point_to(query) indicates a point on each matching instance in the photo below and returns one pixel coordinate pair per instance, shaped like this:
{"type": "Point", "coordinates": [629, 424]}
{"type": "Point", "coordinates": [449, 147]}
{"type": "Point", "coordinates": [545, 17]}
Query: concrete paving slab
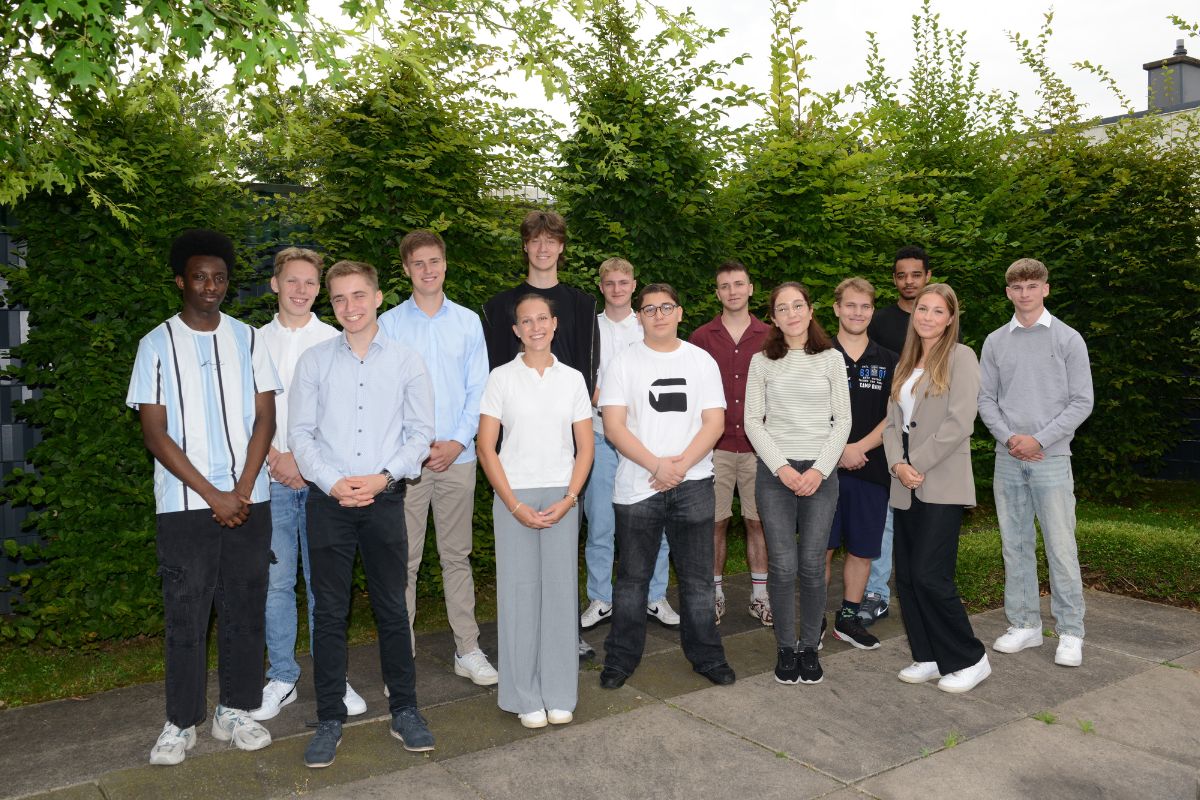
{"type": "Point", "coordinates": [1031, 759]}
{"type": "Point", "coordinates": [624, 756]}
{"type": "Point", "coordinates": [1159, 725]}
{"type": "Point", "coordinates": [1190, 661]}
{"type": "Point", "coordinates": [860, 720]}
{"type": "Point", "coordinates": [1137, 627]}
{"type": "Point", "coordinates": [428, 782]}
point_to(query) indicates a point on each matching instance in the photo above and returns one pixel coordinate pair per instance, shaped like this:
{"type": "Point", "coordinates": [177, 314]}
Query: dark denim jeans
{"type": "Point", "coordinates": [200, 562]}
{"type": "Point", "coordinates": [334, 535]}
{"type": "Point", "coordinates": [797, 534]}
{"type": "Point", "coordinates": [685, 514]}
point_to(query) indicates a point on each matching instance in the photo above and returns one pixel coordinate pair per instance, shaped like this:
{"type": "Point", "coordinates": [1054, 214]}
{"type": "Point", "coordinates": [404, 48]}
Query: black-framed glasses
{"type": "Point", "coordinates": [662, 308]}
{"type": "Point", "coordinates": [795, 308]}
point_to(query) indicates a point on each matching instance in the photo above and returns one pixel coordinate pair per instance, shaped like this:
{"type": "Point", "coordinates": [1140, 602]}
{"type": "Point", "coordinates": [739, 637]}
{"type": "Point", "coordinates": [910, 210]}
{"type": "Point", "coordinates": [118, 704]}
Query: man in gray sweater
{"type": "Point", "coordinates": [1036, 389]}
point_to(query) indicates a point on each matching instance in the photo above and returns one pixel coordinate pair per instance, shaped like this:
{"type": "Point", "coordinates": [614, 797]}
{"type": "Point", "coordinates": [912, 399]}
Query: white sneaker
{"type": "Point", "coordinates": [172, 745]}
{"type": "Point", "coordinates": [558, 716]}
{"type": "Point", "coordinates": [966, 679]}
{"type": "Point", "coordinates": [234, 725]}
{"type": "Point", "coordinates": [475, 665]}
{"type": "Point", "coordinates": [534, 719]}
{"type": "Point", "coordinates": [1069, 652]}
{"type": "Point", "coordinates": [355, 705]}
{"type": "Point", "coordinates": [919, 672]}
{"type": "Point", "coordinates": [276, 695]}
{"type": "Point", "coordinates": [597, 611]}
{"type": "Point", "coordinates": [662, 611]}
{"type": "Point", "coordinates": [1017, 639]}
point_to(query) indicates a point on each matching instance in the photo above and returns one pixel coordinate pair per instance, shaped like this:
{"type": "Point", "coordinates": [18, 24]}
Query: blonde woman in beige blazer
{"type": "Point", "coordinates": [927, 441]}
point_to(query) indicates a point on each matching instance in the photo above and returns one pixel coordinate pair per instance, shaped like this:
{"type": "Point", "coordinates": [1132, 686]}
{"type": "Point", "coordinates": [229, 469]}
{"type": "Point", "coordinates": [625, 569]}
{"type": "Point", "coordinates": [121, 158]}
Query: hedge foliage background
{"type": "Point", "coordinates": [821, 189]}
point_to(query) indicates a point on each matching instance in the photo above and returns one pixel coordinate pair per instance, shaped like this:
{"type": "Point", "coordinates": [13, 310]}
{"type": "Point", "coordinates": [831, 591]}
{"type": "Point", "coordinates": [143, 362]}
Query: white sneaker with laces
{"type": "Point", "coordinates": [474, 665]}
{"type": "Point", "coordinates": [276, 695]}
{"type": "Point", "coordinates": [597, 611]}
{"type": "Point", "coordinates": [355, 705]}
{"type": "Point", "coordinates": [533, 719]}
{"type": "Point", "coordinates": [172, 745]}
{"type": "Point", "coordinates": [1017, 639]}
{"type": "Point", "coordinates": [234, 725]}
{"type": "Point", "coordinates": [661, 610]}
{"type": "Point", "coordinates": [919, 672]}
{"type": "Point", "coordinates": [1070, 651]}
{"type": "Point", "coordinates": [966, 679]}
{"type": "Point", "coordinates": [558, 716]}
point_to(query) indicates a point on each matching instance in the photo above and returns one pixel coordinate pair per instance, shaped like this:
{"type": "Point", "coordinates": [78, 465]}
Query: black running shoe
{"type": "Point", "coordinates": [810, 666]}
{"type": "Point", "coordinates": [849, 629]}
{"type": "Point", "coordinates": [787, 667]}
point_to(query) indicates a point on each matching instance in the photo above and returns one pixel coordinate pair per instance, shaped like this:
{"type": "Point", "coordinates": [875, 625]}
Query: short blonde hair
{"type": "Point", "coordinates": [854, 285]}
{"type": "Point", "coordinates": [615, 265]}
{"type": "Point", "coordinates": [298, 254]}
{"type": "Point", "coordinates": [1026, 269]}
{"type": "Point", "coordinates": [344, 268]}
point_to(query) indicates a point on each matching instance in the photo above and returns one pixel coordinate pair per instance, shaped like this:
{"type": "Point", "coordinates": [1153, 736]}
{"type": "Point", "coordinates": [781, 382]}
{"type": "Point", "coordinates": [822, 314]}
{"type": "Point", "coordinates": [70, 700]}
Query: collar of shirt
{"type": "Point", "coordinates": [1043, 320]}
{"type": "Point", "coordinates": [410, 306]}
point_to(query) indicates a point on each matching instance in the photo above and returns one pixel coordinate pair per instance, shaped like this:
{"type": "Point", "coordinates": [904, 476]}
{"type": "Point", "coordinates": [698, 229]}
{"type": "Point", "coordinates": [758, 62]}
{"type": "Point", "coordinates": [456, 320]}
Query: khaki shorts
{"type": "Point", "coordinates": [735, 468]}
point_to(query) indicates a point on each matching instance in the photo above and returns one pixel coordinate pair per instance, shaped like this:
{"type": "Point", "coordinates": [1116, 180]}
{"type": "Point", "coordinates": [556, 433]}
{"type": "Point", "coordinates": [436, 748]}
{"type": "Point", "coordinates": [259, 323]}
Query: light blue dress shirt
{"type": "Point", "coordinates": [451, 344]}
{"type": "Point", "coordinates": [351, 416]}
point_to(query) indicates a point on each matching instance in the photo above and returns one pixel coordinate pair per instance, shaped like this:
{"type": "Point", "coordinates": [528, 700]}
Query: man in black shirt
{"type": "Point", "coordinates": [863, 475]}
{"type": "Point", "coordinates": [888, 328]}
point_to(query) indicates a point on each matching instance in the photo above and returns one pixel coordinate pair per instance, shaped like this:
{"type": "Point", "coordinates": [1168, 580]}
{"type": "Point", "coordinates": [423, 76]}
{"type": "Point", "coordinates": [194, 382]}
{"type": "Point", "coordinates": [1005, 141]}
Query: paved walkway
{"type": "Point", "coordinates": [1125, 725]}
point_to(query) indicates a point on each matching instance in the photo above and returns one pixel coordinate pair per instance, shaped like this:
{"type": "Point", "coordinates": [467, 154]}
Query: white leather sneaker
{"type": "Point", "coordinates": [1015, 639]}
{"type": "Point", "coordinates": [276, 695]}
{"type": "Point", "coordinates": [533, 719]}
{"type": "Point", "coordinates": [475, 665]}
{"type": "Point", "coordinates": [966, 679]}
{"type": "Point", "coordinates": [919, 672]}
{"type": "Point", "coordinates": [1069, 652]}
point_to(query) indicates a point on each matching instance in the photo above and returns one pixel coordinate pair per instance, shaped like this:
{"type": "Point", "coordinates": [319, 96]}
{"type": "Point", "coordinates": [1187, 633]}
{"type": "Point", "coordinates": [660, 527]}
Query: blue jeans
{"type": "Point", "coordinates": [602, 527]}
{"type": "Point", "coordinates": [1045, 490]}
{"type": "Point", "coordinates": [881, 568]}
{"type": "Point", "coordinates": [797, 534]}
{"type": "Point", "coordinates": [685, 513]}
{"type": "Point", "coordinates": [288, 540]}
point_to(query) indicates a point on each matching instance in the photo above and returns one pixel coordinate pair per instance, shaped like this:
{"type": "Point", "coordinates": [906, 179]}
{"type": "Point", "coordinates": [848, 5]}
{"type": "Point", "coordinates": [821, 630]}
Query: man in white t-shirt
{"type": "Point", "coordinates": [664, 409]}
{"type": "Point", "coordinates": [294, 329]}
{"type": "Point", "coordinates": [619, 328]}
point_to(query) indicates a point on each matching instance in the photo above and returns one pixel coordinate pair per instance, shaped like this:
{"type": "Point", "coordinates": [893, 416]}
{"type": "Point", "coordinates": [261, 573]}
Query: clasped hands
{"type": "Point", "coordinates": [356, 491]}
{"type": "Point", "coordinates": [802, 484]}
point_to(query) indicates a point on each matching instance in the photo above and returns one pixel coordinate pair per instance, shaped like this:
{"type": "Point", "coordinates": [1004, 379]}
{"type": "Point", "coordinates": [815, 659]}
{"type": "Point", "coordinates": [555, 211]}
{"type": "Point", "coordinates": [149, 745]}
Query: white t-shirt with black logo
{"type": "Point", "coordinates": [664, 395]}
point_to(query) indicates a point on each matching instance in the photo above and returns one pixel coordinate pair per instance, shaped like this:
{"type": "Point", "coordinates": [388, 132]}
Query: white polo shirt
{"type": "Point", "coordinates": [536, 413]}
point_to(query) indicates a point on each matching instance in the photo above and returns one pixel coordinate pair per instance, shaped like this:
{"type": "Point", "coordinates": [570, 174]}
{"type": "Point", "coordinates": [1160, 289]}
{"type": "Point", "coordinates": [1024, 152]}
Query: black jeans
{"type": "Point", "coordinates": [685, 514]}
{"type": "Point", "coordinates": [200, 562]}
{"type": "Point", "coordinates": [334, 535]}
{"type": "Point", "coordinates": [926, 550]}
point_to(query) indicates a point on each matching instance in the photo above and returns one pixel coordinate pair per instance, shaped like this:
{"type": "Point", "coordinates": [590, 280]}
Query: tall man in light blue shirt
{"type": "Point", "coordinates": [360, 423]}
{"type": "Point", "coordinates": [450, 340]}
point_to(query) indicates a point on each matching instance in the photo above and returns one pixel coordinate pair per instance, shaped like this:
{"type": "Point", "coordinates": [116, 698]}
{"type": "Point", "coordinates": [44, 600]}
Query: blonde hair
{"type": "Point", "coordinates": [615, 265]}
{"type": "Point", "coordinates": [860, 285]}
{"type": "Point", "coordinates": [298, 254]}
{"type": "Point", "coordinates": [937, 361]}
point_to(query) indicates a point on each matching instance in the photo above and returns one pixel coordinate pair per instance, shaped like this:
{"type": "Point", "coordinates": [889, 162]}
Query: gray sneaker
{"type": "Point", "coordinates": [323, 747]}
{"type": "Point", "coordinates": [586, 651]}
{"type": "Point", "coordinates": [873, 607]}
{"type": "Point", "coordinates": [410, 728]}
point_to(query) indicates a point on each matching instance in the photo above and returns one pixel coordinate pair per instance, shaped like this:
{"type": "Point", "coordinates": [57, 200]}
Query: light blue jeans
{"type": "Point", "coordinates": [288, 538]}
{"type": "Point", "coordinates": [1045, 490]}
{"type": "Point", "coordinates": [881, 568]}
{"type": "Point", "coordinates": [602, 530]}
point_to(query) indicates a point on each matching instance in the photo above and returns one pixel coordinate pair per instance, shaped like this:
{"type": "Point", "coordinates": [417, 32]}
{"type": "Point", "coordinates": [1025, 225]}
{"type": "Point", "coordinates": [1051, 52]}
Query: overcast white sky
{"type": "Point", "coordinates": [1118, 34]}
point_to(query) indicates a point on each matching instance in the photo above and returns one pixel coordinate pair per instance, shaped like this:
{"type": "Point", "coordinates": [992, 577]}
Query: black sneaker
{"type": "Point", "coordinates": [810, 666]}
{"type": "Point", "coordinates": [849, 629]}
{"type": "Point", "coordinates": [873, 607]}
{"type": "Point", "coordinates": [787, 666]}
{"type": "Point", "coordinates": [322, 748]}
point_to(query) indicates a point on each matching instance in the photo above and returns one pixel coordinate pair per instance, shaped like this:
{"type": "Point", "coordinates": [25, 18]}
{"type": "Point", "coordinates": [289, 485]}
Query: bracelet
{"type": "Point", "coordinates": [514, 508]}
{"type": "Point", "coordinates": [574, 498]}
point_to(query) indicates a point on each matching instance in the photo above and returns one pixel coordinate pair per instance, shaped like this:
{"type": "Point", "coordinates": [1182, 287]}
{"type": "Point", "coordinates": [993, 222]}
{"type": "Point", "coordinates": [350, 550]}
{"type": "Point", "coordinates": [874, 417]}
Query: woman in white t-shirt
{"type": "Point", "coordinates": [543, 408]}
{"type": "Point", "coordinates": [927, 440]}
{"type": "Point", "coordinates": [798, 419]}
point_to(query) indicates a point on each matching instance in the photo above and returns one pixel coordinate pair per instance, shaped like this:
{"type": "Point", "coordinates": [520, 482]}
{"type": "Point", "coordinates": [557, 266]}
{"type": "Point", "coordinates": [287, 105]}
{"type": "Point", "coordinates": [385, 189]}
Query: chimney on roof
{"type": "Point", "coordinates": [1173, 82]}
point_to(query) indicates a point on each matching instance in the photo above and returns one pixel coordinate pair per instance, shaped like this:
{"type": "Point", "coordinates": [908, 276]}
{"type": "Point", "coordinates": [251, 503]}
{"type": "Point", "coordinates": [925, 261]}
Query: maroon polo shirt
{"type": "Point", "coordinates": [734, 361]}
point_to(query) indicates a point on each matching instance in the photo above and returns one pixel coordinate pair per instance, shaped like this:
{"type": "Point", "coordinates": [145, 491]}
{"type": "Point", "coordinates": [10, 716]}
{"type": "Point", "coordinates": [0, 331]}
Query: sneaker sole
{"type": "Point", "coordinates": [1011, 650]}
{"type": "Point", "coordinates": [1065, 662]}
{"type": "Point", "coordinates": [917, 680]}
{"type": "Point", "coordinates": [786, 682]}
{"type": "Point", "coordinates": [535, 723]}
{"type": "Point", "coordinates": [964, 689]}
{"type": "Point", "coordinates": [668, 625]}
{"type": "Point", "coordinates": [810, 683]}
{"type": "Point", "coordinates": [563, 720]}
{"type": "Point", "coordinates": [463, 672]}
{"type": "Point", "coordinates": [850, 640]}
{"type": "Point", "coordinates": [172, 761]}
{"type": "Point", "coordinates": [411, 748]}
{"type": "Point", "coordinates": [323, 764]}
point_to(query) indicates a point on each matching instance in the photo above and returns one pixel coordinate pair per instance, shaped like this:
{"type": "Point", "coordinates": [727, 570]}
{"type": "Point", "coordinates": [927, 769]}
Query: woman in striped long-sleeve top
{"type": "Point", "coordinates": [798, 419]}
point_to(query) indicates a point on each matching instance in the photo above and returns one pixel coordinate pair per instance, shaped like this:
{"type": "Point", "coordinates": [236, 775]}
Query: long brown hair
{"type": "Point", "coordinates": [937, 362]}
{"type": "Point", "coordinates": [775, 347]}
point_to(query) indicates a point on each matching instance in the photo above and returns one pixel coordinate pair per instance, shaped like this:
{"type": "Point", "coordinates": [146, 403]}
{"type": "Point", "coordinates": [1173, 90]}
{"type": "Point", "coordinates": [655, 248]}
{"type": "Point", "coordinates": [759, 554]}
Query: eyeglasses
{"type": "Point", "coordinates": [662, 308]}
{"type": "Point", "coordinates": [795, 308]}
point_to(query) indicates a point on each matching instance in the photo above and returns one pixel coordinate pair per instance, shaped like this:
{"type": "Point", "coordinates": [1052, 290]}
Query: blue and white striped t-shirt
{"type": "Point", "coordinates": [207, 380]}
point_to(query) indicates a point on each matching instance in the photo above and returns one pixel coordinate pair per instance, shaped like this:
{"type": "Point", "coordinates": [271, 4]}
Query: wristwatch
{"type": "Point", "coordinates": [574, 498]}
{"type": "Point", "coordinates": [390, 486]}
